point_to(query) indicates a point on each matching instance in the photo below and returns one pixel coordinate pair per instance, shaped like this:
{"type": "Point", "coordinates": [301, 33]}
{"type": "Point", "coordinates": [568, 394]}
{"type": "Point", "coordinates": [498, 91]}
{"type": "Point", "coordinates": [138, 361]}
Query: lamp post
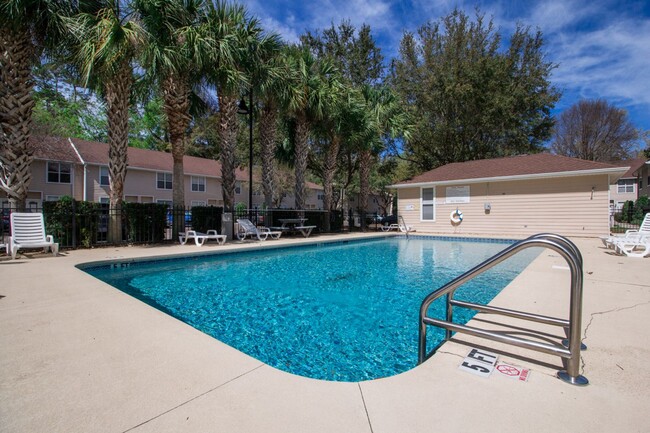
{"type": "Point", "coordinates": [243, 109]}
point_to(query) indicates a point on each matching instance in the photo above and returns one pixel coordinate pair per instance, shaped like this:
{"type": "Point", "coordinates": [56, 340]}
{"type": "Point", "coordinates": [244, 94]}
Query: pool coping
{"type": "Point", "coordinates": [80, 356]}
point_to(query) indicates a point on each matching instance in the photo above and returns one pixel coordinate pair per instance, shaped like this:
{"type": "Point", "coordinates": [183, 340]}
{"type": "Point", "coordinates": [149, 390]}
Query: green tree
{"type": "Point", "coordinates": [354, 53]}
{"type": "Point", "coordinates": [471, 100]}
{"type": "Point", "coordinates": [384, 119]}
{"type": "Point", "coordinates": [360, 63]}
{"type": "Point", "coordinates": [268, 70]}
{"type": "Point", "coordinates": [176, 54]}
{"type": "Point", "coordinates": [105, 40]}
{"type": "Point", "coordinates": [594, 130]}
{"type": "Point", "coordinates": [311, 82]}
{"type": "Point", "coordinates": [27, 27]}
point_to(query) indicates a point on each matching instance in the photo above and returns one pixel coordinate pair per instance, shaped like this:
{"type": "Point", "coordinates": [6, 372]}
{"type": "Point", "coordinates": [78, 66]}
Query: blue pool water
{"type": "Point", "coordinates": [344, 311]}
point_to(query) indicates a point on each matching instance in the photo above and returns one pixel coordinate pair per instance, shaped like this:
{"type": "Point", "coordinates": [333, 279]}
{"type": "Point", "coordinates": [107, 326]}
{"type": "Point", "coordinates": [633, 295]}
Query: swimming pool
{"type": "Point", "coordinates": [345, 311]}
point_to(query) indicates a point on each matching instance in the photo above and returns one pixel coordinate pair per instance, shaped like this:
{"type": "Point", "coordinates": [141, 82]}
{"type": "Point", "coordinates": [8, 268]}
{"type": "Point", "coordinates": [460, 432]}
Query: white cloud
{"type": "Point", "coordinates": [611, 62]}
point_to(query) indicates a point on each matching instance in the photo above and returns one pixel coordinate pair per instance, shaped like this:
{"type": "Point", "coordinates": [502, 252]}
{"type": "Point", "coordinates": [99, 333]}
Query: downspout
{"type": "Point", "coordinates": [85, 166]}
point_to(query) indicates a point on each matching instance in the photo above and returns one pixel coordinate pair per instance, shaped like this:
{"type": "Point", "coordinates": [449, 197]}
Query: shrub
{"type": "Point", "coordinates": [205, 218]}
{"type": "Point", "coordinates": [145, 221]}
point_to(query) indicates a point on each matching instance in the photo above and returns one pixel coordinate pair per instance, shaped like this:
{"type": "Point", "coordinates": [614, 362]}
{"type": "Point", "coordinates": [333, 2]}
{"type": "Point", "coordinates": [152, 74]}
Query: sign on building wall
{"type": "Point", "coordinates": [457, 194]}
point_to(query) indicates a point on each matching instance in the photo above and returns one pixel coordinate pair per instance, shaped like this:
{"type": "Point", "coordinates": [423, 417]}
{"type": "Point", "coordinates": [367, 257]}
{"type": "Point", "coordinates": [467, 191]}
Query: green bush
{"type": "Point", "coordinates": [145, 222]}
{"type": "Point", "coordinates": [627, 213]}
{"type": "Point", "coordinates": [71, 222]}
{"type": "Point", "coordinates": [206, 218]}
{"type": "Point", "coordinates": [637, 216]}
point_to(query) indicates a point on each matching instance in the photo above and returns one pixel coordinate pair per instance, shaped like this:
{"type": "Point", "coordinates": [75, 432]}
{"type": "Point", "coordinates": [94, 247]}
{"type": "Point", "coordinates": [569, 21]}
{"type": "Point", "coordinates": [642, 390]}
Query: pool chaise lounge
{"type": "Point", "coordinates": [28, 231]}
{"type": "Point", "coordinates": [200, 238]}
{"type": "Point", "coordinates": [247, 228]}
{"type": "Point", "coordinates": [634, 247]}
{"type": "Point", "coordinates": [630, 235]}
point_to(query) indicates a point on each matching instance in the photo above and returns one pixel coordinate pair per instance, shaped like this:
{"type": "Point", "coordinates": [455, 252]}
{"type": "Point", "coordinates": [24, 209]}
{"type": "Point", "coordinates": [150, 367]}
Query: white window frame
{"type": "Point", "coordinates": [52, 197]}
{"type": "Point", "coordinates": [625, 184]}
{"type": "Point", "coordinates": [165, 182]}
{"type": "Point", "coordinates": [58, 171]}
{"type": "Point", "coordinates": [104, 174]}
{"type": "Point", "coordinates": [198, 203]}
{"type": "Point", "coordinates": [198, 182]}
{"type": "Point", "coordinates": [424, 203]}
{"type": "Point", "coordinates": [104, 200]}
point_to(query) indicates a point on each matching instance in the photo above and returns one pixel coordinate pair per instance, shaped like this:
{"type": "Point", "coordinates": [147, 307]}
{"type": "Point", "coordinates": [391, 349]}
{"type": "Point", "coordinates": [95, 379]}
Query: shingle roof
{"type": "Point", "coordinates": [519, 166]}
{"type": "Point", "coordinates": [59, 149]}
{"type": "Point", "coordinates": [634, 164]}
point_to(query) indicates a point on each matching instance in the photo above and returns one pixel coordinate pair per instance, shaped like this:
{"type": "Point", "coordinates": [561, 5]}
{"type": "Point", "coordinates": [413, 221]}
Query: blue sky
{"type": "Point", "coordinates": [602, 47]}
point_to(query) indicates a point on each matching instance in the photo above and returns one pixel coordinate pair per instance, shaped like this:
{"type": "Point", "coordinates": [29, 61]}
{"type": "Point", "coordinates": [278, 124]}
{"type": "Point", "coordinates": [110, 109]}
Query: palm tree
{"type": "Point", "coordinates": [176, 54]}
{"type": "Point", "coordinates": [268, 70]}
{"type": "Point", "coordinates": [230, 29]}
{"type": "Point", "coordinates": [339, 127]}
{"type": "Point", "coordinates": [384, 118]}
{"type": "Point", "coordinates": [27, 27]}
{"type": "Point", "coordinates": [106, 38]}
{"type": "Point", "coordinates": [311, 82]}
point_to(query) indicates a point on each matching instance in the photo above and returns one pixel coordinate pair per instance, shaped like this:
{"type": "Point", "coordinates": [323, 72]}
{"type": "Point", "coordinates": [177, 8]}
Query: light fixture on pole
{"type": "Point", "coordinates": [243, 109]}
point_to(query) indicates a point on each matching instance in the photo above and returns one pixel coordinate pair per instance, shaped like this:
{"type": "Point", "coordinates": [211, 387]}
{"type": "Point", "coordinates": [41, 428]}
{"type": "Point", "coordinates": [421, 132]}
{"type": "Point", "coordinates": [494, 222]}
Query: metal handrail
{"type": "Point", "coordinates": [405, 226]}
{"type": "Point", "coordinates": [557, 243]}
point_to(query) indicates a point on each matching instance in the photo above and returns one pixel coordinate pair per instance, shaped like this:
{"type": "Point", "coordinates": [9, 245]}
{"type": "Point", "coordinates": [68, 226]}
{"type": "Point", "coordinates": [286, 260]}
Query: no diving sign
{"type": "Point", "coordinates": [483, 363]}
{"type": "Point", "coordinates": [513, 372]}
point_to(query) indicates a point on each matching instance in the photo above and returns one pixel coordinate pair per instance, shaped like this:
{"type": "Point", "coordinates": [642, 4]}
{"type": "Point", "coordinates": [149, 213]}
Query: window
{"type": "Point", "coordinates": [103, 176]}
{"type": "Point", "coordinates": [625, 185]}
{"type": "Point", "coordinates": [104, 200]}
{"type": "Point", "coordinates": [198, 203]}
{"type": "Point", "coordinates": [427, 204]}
{"type": "Point", "coordinates": [198, 183]}
{"type": "Point", "coordinates": [164, 180]}
{"type": "Point", "coordinates": [52, 198]}
{"type": "Point", "coordinates": [58, 172]}
{"type": "Point", "coordinates": [238, 188]}
{"type": "Point", "coordinates": [321, 196]}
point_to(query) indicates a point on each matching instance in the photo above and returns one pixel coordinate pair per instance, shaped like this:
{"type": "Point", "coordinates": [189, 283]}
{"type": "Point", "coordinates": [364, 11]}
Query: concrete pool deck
{"type": "Point", "coordinates": [77, 355]}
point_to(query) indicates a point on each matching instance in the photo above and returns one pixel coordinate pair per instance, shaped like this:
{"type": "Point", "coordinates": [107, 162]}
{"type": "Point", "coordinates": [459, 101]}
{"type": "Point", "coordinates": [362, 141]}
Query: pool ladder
{"type": "Point", "coordinates": [568, 350]}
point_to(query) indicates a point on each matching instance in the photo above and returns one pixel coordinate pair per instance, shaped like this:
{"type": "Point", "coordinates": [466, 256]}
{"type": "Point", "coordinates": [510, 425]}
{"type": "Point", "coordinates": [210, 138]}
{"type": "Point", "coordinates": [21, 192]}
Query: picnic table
{"type": "Point", "coordinates": [295, 224]}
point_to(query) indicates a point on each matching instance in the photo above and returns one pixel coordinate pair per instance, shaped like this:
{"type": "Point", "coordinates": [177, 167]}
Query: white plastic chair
{"type": "Point", "coordinates": [630, 235]}
{"type": "Point", "coordinates": [630, 247]}
{"type": "Point", "coordinates": [28, 231]}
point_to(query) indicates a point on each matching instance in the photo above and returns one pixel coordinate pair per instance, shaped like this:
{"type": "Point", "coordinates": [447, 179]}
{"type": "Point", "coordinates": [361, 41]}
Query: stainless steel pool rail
{"type": "Point", "coordinates": [570, 354]}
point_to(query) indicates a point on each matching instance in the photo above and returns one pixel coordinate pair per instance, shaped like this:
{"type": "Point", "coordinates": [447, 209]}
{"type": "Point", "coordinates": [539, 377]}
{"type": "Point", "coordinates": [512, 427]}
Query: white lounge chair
{"type": "Point", "coordinates": [390, 227]}
{"type": "Point", "coordinates": [630, 235]}
{"type": "Point", "coordinates": [200, 238]}
{"type": "Point", "coordinates": [28, 231]}
{"type": "Point", "coordinates": [406, 229]}
{"type": "Point", "coordinates": [247, 228]}
{"type": "Point", "coordinates": [630, 247]}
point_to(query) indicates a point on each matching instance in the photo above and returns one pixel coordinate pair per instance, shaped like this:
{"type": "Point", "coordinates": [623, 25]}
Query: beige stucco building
{"type": "Point", "coordinates": [79, 168]}
{"type": "Point", "coordinates": [515, 196]}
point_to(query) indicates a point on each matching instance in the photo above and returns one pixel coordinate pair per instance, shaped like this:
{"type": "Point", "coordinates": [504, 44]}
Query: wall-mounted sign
{"type": "Point", "coordinates": [457, 194]}
{"type": "Point", "coordinates": [409, 207]}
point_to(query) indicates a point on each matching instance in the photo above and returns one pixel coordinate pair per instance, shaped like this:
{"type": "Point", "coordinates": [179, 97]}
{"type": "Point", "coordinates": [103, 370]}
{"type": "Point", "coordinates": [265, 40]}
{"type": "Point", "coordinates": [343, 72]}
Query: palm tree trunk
{"type": "Point", "coordinates": [365, 161]}
{"type": "Point", "coordinates": [177, 105]}
{"type": "Point", "coordinates": [329, 170]}
{"type": "Point", "coordinates": [301, 154]}
{"type": "Point", "coordinates": [118, 92]}
{"type": "Point", "coordinates": [16, 104]}
{"type": "Point", "coordinates": [268, 132]}
{"type": "Point", "coordinates": [228, 135]}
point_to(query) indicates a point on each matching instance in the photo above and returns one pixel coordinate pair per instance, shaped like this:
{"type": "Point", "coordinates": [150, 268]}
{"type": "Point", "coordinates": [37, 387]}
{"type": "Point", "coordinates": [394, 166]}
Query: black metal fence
{"type": "Point", "coordinates": [78, 224]}
{"type": "Point", "coordinates": [628, 217]}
